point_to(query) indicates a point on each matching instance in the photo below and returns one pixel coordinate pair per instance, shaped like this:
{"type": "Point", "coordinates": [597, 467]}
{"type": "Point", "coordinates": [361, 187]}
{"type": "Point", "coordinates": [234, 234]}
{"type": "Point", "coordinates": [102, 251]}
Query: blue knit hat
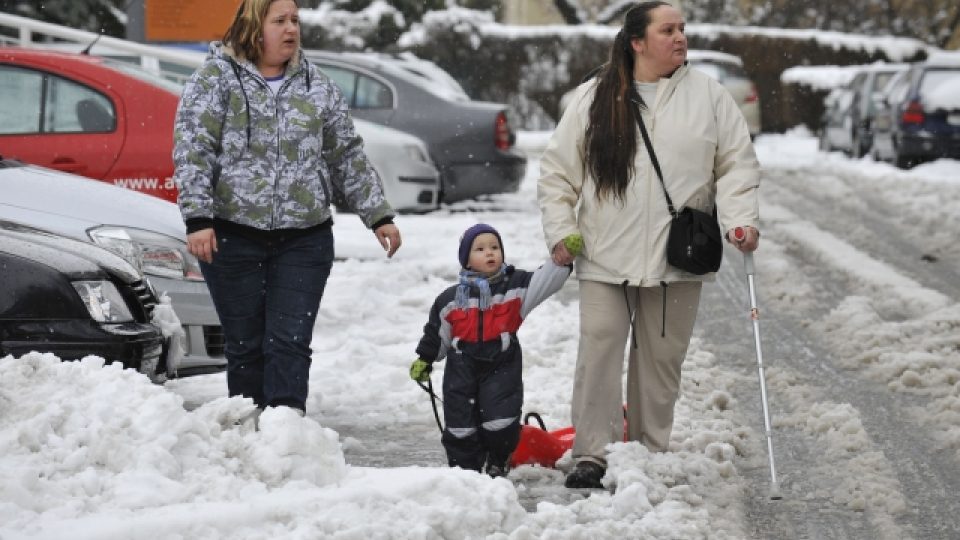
{"type": "Point", "coordinates": [466, 241]}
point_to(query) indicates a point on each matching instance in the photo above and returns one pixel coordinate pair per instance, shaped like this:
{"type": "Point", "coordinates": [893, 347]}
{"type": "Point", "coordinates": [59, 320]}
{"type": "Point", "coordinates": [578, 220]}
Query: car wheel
{"type": "Point", "coordinates": [903, 162]}
{"type": "Point", "coordinates": [858, 151]}
{"type": "Point", "coordinates": [824, 144]}
{"type": "Point", "coordinates": [899, 160]}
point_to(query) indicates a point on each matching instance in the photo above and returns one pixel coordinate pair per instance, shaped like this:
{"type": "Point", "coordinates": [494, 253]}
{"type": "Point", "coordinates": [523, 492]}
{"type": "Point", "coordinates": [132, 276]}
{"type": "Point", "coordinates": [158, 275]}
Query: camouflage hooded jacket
{"type": "Point", "coordinates": [265, 160]}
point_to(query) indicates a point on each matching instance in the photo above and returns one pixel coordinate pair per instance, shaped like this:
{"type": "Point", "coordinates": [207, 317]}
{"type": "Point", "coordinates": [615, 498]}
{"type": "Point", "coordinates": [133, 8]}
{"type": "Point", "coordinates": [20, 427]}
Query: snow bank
{"type": "Point", "coordinates": [82, 434]}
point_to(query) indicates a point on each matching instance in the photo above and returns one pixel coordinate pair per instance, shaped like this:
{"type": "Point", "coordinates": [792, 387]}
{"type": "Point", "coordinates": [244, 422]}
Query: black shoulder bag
{"type": "Point", "coordinates": [694, 243]}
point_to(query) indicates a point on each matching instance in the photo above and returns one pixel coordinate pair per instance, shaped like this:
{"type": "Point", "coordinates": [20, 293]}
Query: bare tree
{"type": "Point", "coordinates": [571, 11]}
{"type": "Point", "coordinates": [936, 22]}
{"type": "Point", "coordinates": [102, 16]}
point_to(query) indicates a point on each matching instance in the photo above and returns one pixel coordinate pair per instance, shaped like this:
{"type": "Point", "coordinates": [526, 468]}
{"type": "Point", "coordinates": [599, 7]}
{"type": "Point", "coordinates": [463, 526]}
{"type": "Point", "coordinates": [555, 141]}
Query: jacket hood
{"type": "Point", "coordinates": [222, 51]}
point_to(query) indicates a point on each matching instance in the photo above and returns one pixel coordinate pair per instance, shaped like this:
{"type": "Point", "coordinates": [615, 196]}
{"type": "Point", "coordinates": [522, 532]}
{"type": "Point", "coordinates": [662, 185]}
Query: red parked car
{"type": "Point", "coordinates": [90, 116]}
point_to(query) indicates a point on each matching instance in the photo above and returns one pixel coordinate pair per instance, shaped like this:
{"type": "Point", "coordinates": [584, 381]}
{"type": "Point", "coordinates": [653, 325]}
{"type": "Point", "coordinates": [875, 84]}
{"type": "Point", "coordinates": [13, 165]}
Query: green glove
{"type": "Point", "coordinates": [574, 244]}
{"type": "Point", "coordinates": [420, 370]}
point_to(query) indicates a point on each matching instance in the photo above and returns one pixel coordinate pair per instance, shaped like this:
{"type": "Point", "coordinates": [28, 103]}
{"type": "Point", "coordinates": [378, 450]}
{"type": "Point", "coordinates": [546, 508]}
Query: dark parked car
{"type": "Point", "coordinates": [147, 231]}
{"type": "Point", "coordinates": [919, 118]}
{"type": "Point", "coordinates": [471, 142]}
{"type": "Point", "coordinates": [834, 135]}
{"type": "Point", "coordinates": [74, 299]}
{"type": "Point", "coordinates": [847, 121]}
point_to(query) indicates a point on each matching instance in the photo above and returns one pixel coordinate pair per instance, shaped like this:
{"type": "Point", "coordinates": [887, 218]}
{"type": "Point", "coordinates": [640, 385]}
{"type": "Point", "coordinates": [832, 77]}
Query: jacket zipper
{"type": "Point", "coordinates": [323, 180]}
{"type": "Point", "coordinates": [276, 180]}
{"type": "Point", "coordinates": [651, 179]}
{"type": "Point", "coordinates": [479, 325]}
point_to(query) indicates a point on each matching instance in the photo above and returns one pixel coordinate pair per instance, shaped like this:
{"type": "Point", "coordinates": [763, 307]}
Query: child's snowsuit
{"type": "Point", "coordinates": [482, 382]}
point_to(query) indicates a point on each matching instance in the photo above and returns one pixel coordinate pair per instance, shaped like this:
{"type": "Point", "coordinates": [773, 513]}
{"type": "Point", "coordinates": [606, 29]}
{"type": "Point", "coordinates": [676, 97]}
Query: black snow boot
{"type": "Point", "coordinates": [586, 474]}
{"type": "Point", "coordinates": [496, 471]}
{"type": "Point", "coordinates": [496, 468]}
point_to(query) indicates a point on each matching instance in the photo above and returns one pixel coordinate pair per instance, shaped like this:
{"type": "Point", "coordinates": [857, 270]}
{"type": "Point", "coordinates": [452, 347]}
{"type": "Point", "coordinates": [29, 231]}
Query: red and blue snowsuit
{"type": "Point", "coordinates": [482, 382]}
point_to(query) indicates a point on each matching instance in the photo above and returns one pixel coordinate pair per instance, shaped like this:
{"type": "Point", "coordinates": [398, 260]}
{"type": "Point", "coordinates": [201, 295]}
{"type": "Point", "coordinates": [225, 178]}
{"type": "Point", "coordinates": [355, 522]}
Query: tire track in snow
{"type": "Point", "coordinates": [808, 261]}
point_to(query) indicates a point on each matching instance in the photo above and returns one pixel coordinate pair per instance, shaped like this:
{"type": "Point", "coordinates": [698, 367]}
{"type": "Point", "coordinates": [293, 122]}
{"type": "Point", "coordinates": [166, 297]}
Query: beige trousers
{"type": "Point", "coordinates": [653, 377]}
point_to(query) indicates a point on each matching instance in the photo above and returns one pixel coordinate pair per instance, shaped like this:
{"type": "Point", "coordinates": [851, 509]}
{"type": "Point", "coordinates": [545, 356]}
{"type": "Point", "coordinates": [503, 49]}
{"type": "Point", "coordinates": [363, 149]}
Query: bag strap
{"type": "Point", "coordinates": [653, 157]}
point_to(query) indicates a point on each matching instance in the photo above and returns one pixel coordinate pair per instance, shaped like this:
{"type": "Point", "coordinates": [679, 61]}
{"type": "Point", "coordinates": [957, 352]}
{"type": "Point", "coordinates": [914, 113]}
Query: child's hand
{"type": "Point", "coordinates": [574, 244]}
{"type": "Point", "coordinates": [567, 250]}
{"type": "Point", "coordinates": [420, 370]}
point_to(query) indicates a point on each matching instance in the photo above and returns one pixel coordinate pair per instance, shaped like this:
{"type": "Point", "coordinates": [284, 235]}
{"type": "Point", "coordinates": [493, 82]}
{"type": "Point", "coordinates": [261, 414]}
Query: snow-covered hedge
{"type": "Point", "coordinates": [530, 67]}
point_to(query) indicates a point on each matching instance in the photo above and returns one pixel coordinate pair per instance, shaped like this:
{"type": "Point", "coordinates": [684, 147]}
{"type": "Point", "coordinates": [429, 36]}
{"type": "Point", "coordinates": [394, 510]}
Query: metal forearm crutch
{"type": "Point", "coordinates": [755, 317]}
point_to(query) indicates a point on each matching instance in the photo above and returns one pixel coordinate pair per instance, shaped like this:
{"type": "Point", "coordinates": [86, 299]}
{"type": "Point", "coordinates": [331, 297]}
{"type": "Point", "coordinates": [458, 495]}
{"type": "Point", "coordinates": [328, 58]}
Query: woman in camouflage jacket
{"type": "Point", "coordinates": [263, 145]}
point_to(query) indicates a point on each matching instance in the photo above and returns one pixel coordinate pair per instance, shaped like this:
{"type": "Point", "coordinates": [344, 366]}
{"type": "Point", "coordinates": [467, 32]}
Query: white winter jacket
{"type": "Point", "coordinates": [704, 149]}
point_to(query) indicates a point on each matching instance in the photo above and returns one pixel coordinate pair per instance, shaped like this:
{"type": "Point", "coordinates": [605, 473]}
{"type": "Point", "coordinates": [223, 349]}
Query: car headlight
{"type": "Point", "coordinates": [153, 253]}
{"type": "Point", "coordinates": [416, 153]}
{"type": "Point", "coordinates": [103, 301]}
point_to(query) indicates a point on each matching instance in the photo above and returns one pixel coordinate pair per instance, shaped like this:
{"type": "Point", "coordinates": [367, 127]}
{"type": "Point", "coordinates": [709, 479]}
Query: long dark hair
{"type": "Point", "coordinates": [611, 137]}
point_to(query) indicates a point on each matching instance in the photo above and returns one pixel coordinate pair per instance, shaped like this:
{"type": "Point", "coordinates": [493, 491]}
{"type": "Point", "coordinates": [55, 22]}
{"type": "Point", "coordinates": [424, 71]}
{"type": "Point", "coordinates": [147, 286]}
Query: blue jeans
{"type": "Point", "coordinates": [267, 296]}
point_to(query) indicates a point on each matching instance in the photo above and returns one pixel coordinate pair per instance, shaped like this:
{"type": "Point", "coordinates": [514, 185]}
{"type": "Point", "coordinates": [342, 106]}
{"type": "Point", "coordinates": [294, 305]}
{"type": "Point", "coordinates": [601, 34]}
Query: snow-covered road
{"type": "Point", "coordinates": [859, 290]}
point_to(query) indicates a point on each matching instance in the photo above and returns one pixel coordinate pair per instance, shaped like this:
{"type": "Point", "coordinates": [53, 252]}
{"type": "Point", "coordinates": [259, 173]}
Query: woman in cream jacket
{"type": "Point", "coordinates": [597, 181]}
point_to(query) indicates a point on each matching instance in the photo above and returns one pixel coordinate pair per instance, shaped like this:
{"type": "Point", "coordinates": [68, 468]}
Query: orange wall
{"type": "Point", "coordinates": [188, 20]}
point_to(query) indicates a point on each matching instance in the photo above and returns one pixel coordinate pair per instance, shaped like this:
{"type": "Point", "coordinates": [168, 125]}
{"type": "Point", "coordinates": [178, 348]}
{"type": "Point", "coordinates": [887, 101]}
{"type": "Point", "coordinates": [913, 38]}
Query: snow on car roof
{"type": "Point", "coordinates": [703, 54]}
{"type": "Point", "coordinates": [410, 68]}
{"type": "Point", "coordinates": [830, 77]}
{"type": "Point", "coordinates": [944, 58]}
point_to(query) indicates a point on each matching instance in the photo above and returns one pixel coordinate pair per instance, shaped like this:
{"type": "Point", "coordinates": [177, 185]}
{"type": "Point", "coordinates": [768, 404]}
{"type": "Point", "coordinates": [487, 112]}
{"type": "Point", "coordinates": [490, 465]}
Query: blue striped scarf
{"type": "Point", "coordinates": [480, 281]}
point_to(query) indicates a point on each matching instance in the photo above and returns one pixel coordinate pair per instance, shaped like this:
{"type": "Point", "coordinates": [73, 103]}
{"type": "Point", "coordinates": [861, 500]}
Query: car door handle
{"type": "Point", "coordinates": [67, 164]}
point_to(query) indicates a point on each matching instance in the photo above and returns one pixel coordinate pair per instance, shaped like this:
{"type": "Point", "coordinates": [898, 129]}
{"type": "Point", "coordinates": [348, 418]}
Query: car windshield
{"type": "Point", "coordinates": [144, 75]}
{"type": "Point", "coordinates": [882, 79]}
{"type": "Point", "coordinates": [887, 90]}
{"type": "Point", "coordinates": [416, 72]}
{"type": "Point", "coordinates": [940, 89]}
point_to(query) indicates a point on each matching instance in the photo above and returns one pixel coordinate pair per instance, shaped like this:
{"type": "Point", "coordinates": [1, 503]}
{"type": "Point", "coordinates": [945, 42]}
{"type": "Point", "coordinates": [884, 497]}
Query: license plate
{"type": "Point", "coordinates": [953, 119]}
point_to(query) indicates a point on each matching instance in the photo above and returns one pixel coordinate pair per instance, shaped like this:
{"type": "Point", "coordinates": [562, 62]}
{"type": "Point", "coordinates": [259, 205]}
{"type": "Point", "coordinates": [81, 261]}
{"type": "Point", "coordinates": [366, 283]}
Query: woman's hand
{"type": "Point", "coordinates": [389, 237]}
{"type": "Point", "coordinates": [202, 244]}
{"type": "Point", "coordinates": [748, 240]}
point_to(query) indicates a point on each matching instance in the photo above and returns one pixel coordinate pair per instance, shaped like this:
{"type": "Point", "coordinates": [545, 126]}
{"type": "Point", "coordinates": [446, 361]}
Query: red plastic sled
{"type": "Point", "coordinates": [538, 446]}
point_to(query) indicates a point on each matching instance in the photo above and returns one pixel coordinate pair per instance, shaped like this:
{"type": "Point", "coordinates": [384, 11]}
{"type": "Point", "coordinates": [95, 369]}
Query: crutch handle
{"type": "Point", "coordinates": [739, 234]}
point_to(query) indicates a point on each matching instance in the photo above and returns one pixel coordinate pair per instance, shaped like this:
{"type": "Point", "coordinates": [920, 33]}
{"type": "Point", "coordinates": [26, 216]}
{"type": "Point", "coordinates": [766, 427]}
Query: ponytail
{"type": "Point", "coordinates": [611, 136]}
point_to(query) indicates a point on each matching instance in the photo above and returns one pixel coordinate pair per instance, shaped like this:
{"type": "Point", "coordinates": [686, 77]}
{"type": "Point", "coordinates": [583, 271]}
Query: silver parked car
{"type": "Point", "coordinates": [728, 69]}
{"type": "Point", "coordinates": [145, 230]}
{"type": "Point", "coordinates": [410, 181]}
{"type": "Point", "coordinates": [471, 142]}
{"type": "Point", "coordinates": [847, 122]}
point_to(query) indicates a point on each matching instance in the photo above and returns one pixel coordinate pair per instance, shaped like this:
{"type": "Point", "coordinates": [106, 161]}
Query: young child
{"type": "Point", "coordinates": [474, 325]}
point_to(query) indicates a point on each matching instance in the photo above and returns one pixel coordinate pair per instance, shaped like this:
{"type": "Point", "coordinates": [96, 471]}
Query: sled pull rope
{"type": "Point", "coordinates": [535, 416]}
{"type": "Point", "coordinates": [428, 388]}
